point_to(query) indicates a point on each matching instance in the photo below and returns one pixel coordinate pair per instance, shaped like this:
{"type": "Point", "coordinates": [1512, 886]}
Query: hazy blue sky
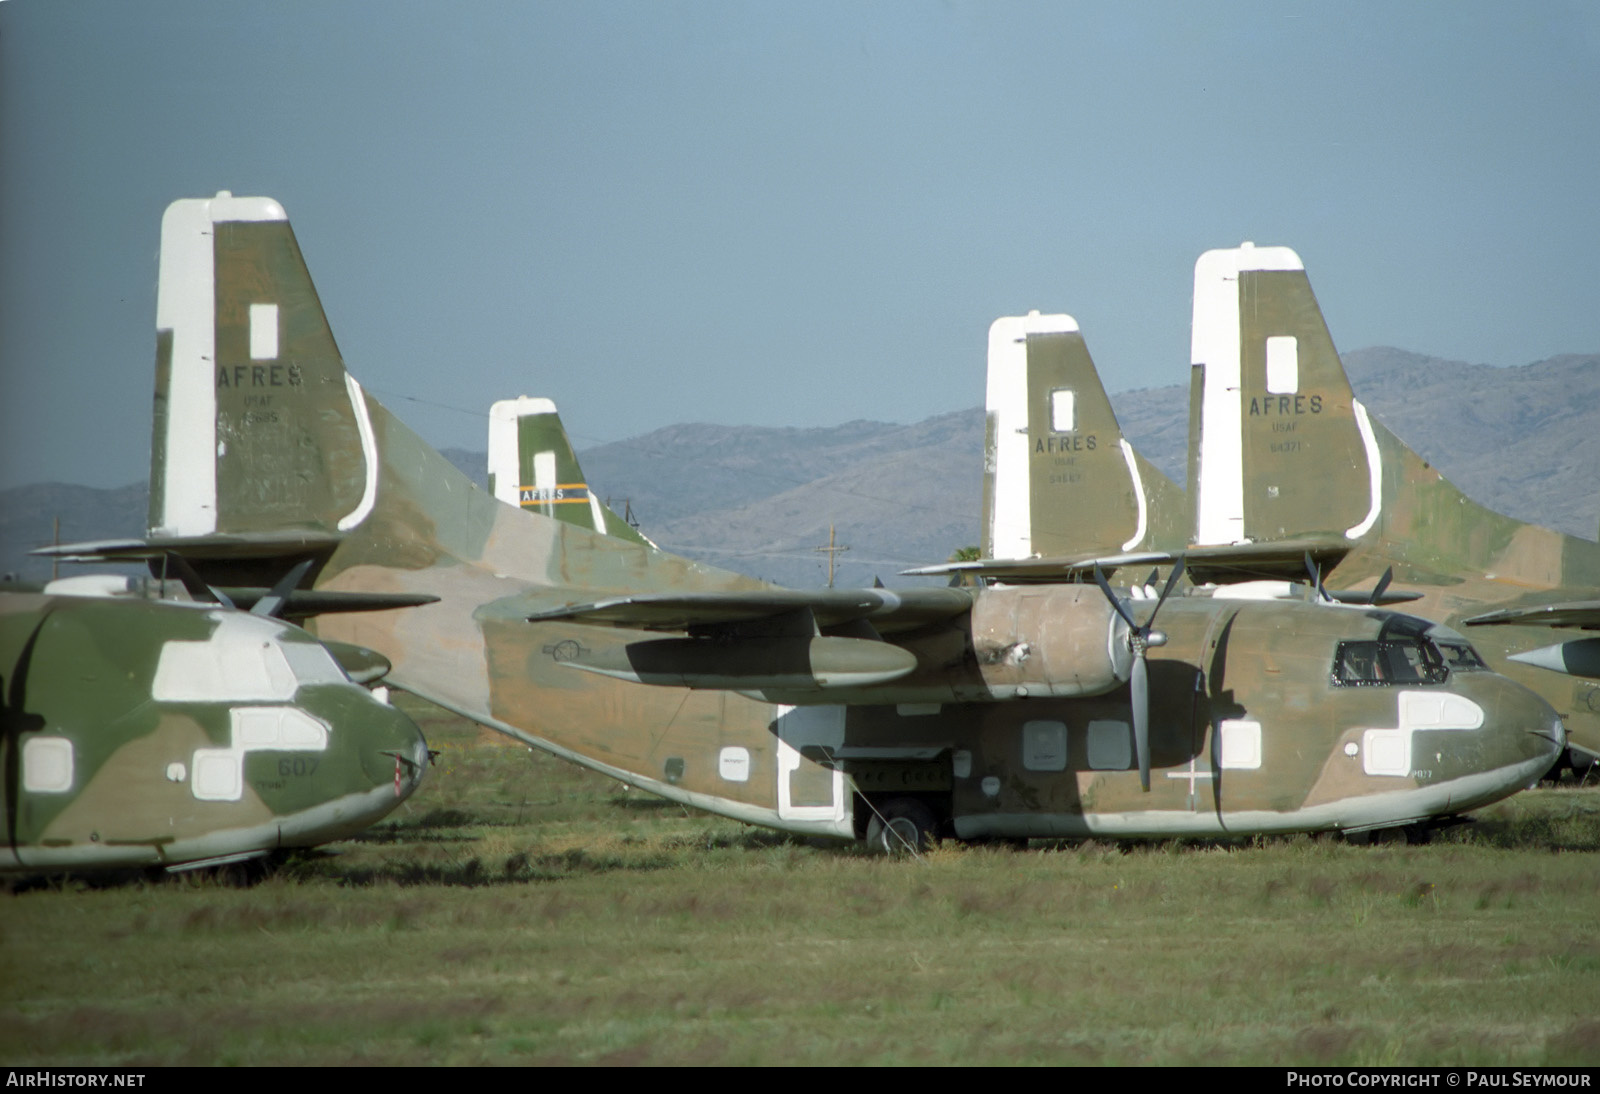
{"type": "Point", "coordinates": [784, 214]}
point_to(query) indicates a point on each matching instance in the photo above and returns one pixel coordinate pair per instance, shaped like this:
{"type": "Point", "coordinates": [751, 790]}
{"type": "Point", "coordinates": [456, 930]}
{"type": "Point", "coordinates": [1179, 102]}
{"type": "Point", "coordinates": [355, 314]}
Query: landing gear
{"type": "Point", "coordinates": [1581, 764]}
{"type": "Point", "coordinates": [1418, 834]}
{"type": "Point", "coordinates": [1414, 835]}
{"type": "Point", "coordinates": [901, 826]}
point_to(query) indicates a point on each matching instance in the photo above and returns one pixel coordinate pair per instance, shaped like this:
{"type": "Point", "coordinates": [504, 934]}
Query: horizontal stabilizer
{"type": "Point", "coordinates": [1068, 568]}
{"type": "Point", "coordinates": [253, 545]}
{"type": "Point", "coordinates": [887, 611]}
{"type": "Point", "coordinates": [1284, 558]}
{"type": "Point", "coordinates": [1583, 614]}
{"type": "Point", "coordinates": [1225, 564]}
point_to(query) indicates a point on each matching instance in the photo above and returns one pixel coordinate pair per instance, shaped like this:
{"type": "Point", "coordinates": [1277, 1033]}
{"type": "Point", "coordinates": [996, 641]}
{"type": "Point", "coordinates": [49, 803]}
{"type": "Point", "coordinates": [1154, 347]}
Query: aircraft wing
{"type": "Point", "coordinates": [885, 610]}
{"type": "Point", "coordinates": [1583, 614]}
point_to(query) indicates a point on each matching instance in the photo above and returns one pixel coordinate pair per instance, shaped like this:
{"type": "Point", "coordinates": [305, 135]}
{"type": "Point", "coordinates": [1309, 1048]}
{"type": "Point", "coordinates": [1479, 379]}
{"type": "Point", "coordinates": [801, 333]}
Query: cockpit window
{"type": "Point", "coordinates": [1460, 657]}
{"type": "Point", "coordinates": [1387, 663]}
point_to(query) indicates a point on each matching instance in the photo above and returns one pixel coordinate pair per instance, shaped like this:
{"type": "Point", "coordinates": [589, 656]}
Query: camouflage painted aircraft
{"type": "Point", "coordinates": [1003, 712]}
{"type": "Point", "coordinates": [153, 733]}
{"type": "Point", "coordinates": [1287, 455]}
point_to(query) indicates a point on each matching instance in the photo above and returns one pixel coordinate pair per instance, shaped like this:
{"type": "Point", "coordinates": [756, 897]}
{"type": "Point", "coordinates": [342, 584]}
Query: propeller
{"type": "Point", "coordinates": [271, 605]}
{"type": "Point", "coordinates": [1316, 579]}
{"type": "Point", "coordinates": [1351, 596]}
{"type": "Point", "coordinates": [1140, 639]}
{"type": "Point", "coordinates": [192, 581]}
{"type": "Point", "coordinates": [1383, 583]}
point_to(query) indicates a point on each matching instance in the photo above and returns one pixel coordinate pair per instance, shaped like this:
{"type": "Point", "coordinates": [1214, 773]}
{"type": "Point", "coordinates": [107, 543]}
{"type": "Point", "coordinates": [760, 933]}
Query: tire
{"type": "Point", "coordinates": [901, 826]}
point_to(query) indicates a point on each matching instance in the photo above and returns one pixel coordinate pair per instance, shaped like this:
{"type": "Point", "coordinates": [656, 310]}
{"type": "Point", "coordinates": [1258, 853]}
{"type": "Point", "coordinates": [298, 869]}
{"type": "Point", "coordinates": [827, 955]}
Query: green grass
{"type": "Point", "coordinates": [520, 910]}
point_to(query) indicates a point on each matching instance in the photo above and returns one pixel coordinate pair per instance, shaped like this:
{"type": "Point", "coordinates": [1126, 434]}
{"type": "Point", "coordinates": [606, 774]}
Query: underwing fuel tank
{"type": "Point", "coordinates": [752, 664]}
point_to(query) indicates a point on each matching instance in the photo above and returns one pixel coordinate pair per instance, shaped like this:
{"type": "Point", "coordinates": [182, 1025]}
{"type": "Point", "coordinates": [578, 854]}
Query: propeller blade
{"type": "Point", "coordinates": [1383, 583]}
{"type": "Point", "coordinates": [1139, 688]}
{"type": "Point", "coordinates": [1316, 577]}
{"type": "Point", "coordinates": [1166, 591]}
{"type": "Point", "coordinates": [195, 584]}
{"type": "Point", "coordinates": [1105, 587]}
{"type": "Point", "coordinates": [270, 605]}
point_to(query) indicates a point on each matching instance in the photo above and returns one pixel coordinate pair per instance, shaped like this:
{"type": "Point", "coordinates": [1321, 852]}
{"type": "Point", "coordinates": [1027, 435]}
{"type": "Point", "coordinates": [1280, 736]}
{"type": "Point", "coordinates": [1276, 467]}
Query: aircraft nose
{"type": "Point", "coordinates": [1534, 732]}
{"type": "Point", "coordinates": [1547, 743]}
{"type": "Point", "coordinates": [395, 752]}
{"type": "Point", "coordinates": [410, 769]}
{"type": "Point", "coordinates": [1517, 737]}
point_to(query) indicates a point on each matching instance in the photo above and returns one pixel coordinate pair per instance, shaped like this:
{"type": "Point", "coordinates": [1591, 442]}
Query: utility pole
{"type": "Point", "coordinates": [627, 512]}
{"type": "Point", "coordinates": [831, 550]}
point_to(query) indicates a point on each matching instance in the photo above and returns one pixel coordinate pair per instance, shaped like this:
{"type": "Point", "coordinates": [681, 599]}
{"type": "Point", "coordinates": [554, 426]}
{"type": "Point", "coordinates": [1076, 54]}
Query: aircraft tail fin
{"type": "Point", "coordinates": [1059, 477]}
{"type": "Point", "coordinates": [1283, 448]}
{"type": "Point", "coordinates": [266, 452]}
{"type": "Point", "coordinates": [532, 466]}
{"type": "Point", "coordinates": [1285, 451]}
{"type": "Point", "coordinates": [257, 426]}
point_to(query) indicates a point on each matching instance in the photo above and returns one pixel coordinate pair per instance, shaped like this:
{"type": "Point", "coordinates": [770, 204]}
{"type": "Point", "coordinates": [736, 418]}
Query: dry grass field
{"type": "Point", "coordinates": [520, 910]}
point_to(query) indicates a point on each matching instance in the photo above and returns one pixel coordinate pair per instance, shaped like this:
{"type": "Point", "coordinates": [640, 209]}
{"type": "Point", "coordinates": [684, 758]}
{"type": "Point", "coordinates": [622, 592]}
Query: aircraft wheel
{"type": "Point", "coordinates": [901, 826]}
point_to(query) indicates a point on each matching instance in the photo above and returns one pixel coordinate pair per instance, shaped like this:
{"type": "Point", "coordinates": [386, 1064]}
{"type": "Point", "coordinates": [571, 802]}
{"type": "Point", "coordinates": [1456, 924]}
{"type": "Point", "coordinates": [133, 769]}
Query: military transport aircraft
{"type": "Point", "coordinates": [1287, 455]}
{"type": "Point", "coordinates": [155, 733]}
{"type": "Point", "coordinates": [1006, 712]}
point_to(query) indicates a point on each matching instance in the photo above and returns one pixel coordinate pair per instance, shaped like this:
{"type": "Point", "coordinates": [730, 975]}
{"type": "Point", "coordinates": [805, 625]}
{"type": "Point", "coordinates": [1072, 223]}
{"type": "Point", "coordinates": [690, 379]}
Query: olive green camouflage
{"type": "Point", "coordinates": [153, 733]}
{"type": "Point", "coordinates": [894, 714]}
{"type": "Point", "coordinates": [1286, 452]}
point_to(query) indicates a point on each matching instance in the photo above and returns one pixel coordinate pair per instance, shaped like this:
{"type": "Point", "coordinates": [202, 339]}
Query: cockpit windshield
{"type": "Point", "coordinates": [1459, 656]}
{"type": "Point", "coordinates": [1388, 662]}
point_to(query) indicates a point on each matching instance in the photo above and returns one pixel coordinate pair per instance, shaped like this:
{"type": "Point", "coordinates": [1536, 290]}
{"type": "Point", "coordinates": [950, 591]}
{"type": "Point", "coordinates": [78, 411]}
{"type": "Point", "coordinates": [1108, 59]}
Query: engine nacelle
{"type": "Point", "coordinates": [1049, 640]}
